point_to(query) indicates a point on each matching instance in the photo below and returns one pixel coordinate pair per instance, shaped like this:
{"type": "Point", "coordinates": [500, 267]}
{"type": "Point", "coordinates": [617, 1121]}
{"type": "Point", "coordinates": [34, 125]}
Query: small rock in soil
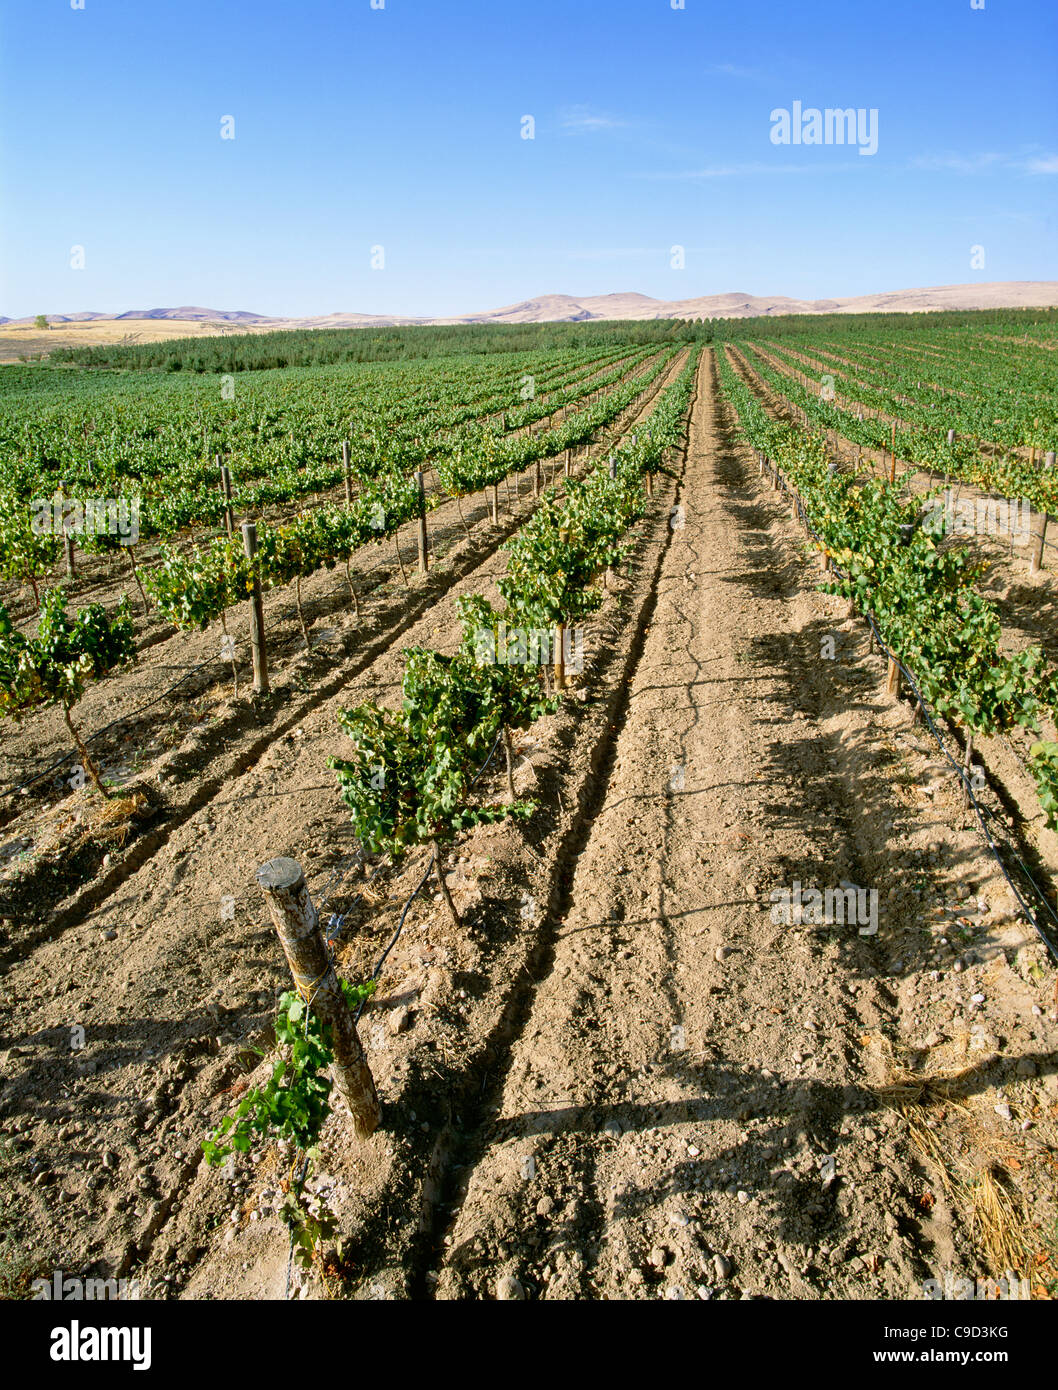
{"type": "Point", "coordinates": [509, 1289]}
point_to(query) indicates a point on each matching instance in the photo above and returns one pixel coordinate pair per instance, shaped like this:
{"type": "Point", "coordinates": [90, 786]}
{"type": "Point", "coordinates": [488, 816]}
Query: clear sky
{"type": "Point", "coordinates": [401, 127]}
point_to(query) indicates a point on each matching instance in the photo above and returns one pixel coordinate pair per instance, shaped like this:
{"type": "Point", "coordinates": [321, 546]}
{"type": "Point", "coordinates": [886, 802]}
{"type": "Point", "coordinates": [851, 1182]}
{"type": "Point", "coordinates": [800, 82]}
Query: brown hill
{"type": "Point", "coordinates": [18, 336]}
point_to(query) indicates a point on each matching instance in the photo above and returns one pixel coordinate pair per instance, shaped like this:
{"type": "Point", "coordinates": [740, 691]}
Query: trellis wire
{"type": "Point", "coordinates": [980, 811]}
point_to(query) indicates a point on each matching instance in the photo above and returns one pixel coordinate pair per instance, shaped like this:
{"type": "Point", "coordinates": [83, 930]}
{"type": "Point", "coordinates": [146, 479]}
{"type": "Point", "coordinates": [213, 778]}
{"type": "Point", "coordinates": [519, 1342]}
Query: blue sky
{"type": "Point", "coordinates": [401, 127]}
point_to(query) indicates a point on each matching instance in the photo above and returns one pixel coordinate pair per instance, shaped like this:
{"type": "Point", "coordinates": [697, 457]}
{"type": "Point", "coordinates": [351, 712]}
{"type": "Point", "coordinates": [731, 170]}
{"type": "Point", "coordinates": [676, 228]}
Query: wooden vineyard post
{"type": "Point", "coordinates": [567, 463]}
{"type": "Point", "coordinates": [424, 555]}
{"type": "Point", "coordinates": [649, 479]}
{"type": "Point", "coordinates": [67, 547]}
{"type": "Point", "coordinates": [494, 504]}
{"type": "Point", "coordinates": [345, 473]}
{"type": "Point", "coordinates": [1039, 534]}
{"type": "Point", "coordinates": [892, 684]}
{"type": "Point", "coordinates": [967, 767]}
{"type": "Point", "coordinates": [560, 656]}
{"type": "Point", "coordinates": [538, 481]}
{"type": "Point", "coordinates": [298, 926]}
{"type": "Point", "coordinates": [257, 628]}
{"type": "Point", "coordinates": [612, 465]}
{"type": "Point", "coordinates": [892, 464]}
{"type": "Point", "coordinates": [951, 436]}
{"type": "Point", "coordinates": [1048, 459]}
{"type": "Point", "coordinates": [225, 487]}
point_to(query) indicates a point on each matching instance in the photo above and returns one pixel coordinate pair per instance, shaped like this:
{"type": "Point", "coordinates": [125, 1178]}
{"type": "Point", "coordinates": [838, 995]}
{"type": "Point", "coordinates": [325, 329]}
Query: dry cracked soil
{"type": "Point", "coordinates": [631, 1074]}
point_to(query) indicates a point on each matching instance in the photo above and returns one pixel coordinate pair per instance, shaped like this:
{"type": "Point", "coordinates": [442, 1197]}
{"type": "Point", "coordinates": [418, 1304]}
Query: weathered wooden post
{"type": "Point", "coordinates": [345, 473]}
{"type": "Point", "coordinates": [424, 555]}
{"type": "Point", "coordinates": [257, 627]}
{"type": "Point", "coordinates": [951, 436]}
{"type": "Point", "coordinates": [892, 684]}
{"type": "Point", "coordinates": [1048, 459]}
{"type": "Point", "coordinates": [298, 926]}
{"type": "Point", "coordinates": [538, 481]}
{"type": "Point", "coordinates": [225, 487]}
{"type": "Point", "coordinates": [1039, 533]}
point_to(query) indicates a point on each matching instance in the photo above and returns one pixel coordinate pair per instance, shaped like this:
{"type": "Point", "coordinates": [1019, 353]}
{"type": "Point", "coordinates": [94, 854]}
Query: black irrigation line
{"type": "Point", "coordinates": [337, 921]}
{"type": "Point", "coordinates": [933, 473]}
{"type": "Point", "coordinates": [270, 629]}
{"type": "Point", "coordinates": [14, 789]}
{"type": "Point", "coordinates": [983, 814]}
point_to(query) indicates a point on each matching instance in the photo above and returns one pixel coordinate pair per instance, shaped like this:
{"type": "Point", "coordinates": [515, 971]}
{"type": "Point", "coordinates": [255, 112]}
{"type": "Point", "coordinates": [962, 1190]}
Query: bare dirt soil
{"type": "Point", "coordinates": [623, 1077]}
{"type": "Point", "coordinates": [170, 731]}
{"type": "Point", "coordinates": [1025, 603]}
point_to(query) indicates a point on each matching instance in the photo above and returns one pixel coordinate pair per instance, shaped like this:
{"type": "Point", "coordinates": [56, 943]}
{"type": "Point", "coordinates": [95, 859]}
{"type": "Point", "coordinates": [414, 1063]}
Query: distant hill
{"type": "Point", "coordinates": [549, 308]}
{"type": "Point", "coordinates": [195, 315]}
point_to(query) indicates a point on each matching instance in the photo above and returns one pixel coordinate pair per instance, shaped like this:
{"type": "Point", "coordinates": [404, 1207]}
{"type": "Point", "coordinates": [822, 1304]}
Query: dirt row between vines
{"type": "Point", "coordinates": [64, 855]}
{"type": "Point", "coordinates": [623, 1078]}
{"type": "Point", "coordinates": [1027, 602]}
{"type": "Point", "coordinates": [697, 1102]}
{"type": "Point", "coordinates": [172, 975]}
{"type": "Point", "coordinates": [104, 579]}
{"type": "Point", "coordinates": [166, 654]}
{"type": "Point", "coordinates": [1029, 598]}
{"type": "Point", "coordinates": [848, 371]}
{"type": "Point", "coordinates": [1028, 612]}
